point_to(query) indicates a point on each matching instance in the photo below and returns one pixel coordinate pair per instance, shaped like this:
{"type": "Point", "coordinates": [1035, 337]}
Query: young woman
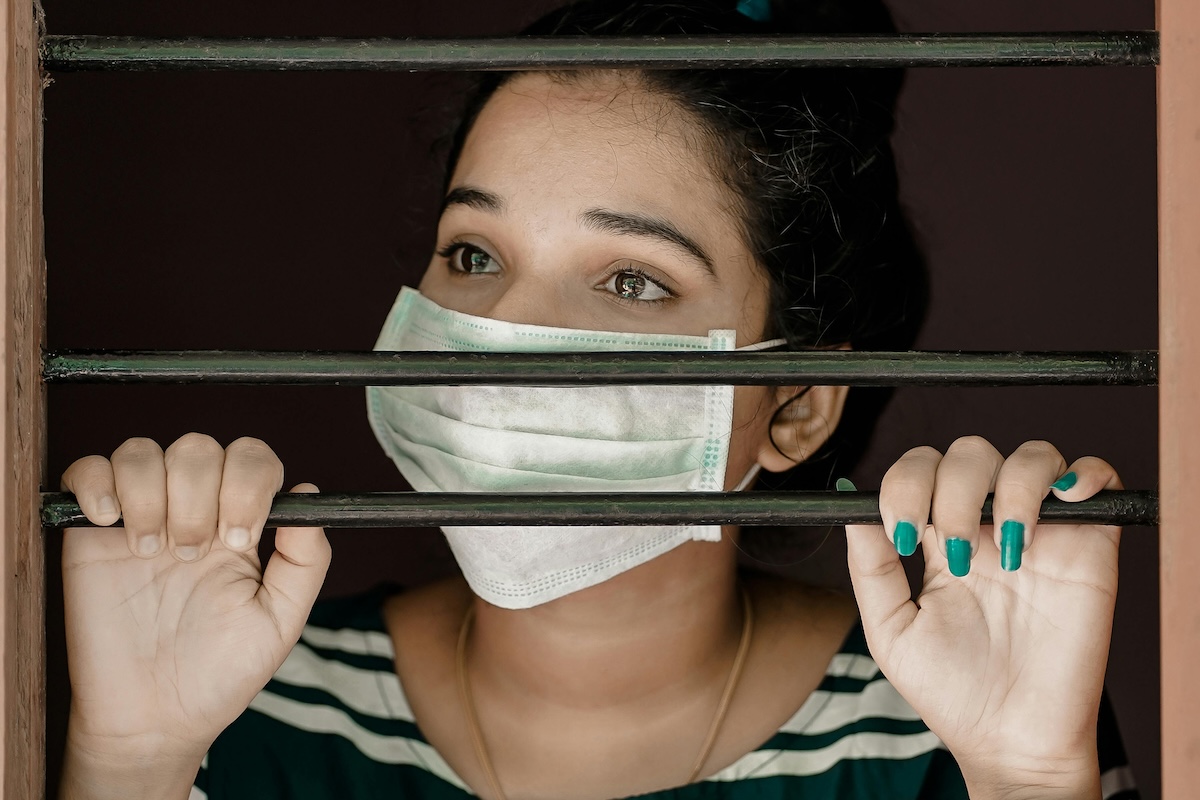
{"type": "Point", "coordinates": [614, 210]}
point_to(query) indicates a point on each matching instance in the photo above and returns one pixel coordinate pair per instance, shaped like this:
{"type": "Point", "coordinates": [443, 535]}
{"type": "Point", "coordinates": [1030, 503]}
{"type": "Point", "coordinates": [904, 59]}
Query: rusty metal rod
{"type": "Point", "coordinates": [825, 367]}
{"type": "Point", "coordinates": [429, 509]}
{"type": "Point", "coordinates": [1092, 48]}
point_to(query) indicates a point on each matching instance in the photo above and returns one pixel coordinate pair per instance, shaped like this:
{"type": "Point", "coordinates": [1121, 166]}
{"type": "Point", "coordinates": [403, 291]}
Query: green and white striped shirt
{"type": "Point", "coordinates": [334, 723]}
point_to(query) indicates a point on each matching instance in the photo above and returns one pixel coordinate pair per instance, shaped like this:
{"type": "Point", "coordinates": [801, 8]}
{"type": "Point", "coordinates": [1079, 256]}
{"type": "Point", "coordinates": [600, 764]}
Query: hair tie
{"type": "Point", "coordinates": [757, 10]}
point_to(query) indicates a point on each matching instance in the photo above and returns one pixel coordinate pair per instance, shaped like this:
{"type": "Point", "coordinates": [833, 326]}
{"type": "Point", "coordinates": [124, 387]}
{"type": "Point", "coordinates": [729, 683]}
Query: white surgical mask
{"type": "Point", "coordinates": [560, 439]}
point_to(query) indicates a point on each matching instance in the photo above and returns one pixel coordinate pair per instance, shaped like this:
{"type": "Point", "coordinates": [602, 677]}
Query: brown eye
{"type": "Point", "coordinates": [629, 284]}
{"type": "Point", "coordinates": [471, 260]}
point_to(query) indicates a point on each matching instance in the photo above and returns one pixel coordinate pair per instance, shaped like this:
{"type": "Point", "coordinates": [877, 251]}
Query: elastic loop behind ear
{"type": "Point", "coordinates": [775, 417]}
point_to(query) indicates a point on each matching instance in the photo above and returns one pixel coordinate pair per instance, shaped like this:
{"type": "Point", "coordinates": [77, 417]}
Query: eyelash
{"type": "Point", "coordinates": [456, 246]}
{"type": "Point", "coordinates": [634, 302]}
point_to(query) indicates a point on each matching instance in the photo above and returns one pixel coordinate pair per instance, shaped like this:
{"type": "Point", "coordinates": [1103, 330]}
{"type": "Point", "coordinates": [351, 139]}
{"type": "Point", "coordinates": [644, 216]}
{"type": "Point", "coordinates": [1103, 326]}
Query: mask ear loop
{"type": "Point", "coordinates": [775, 418]}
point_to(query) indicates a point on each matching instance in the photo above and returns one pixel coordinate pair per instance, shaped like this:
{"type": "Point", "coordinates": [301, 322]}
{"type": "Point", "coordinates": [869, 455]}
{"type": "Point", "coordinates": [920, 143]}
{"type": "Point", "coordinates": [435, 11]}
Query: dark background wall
{"type": "Point", "coordinates": [286, 210]}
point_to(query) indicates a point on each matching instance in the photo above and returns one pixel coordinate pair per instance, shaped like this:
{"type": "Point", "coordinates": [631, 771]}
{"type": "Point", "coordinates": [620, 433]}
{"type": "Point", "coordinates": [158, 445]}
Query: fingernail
{"type": "Point", "coordinates": [148, 545]}
{"type": "Point", "coordinates": [844, 485]}
{"type": "Point", "coordinates": [1012, 544]}
{"type": "Point", "coordinates": [1065, 482]}
{"type": "Point", "coordinates": [958, 554]}
{"type": "Point", "coordinates": [237, 538]}
{"type": "Point", "coordinates": [905, 538]}
{"type": "Point", "coordinates": [106, 505]}
{"type": "Point", "coordinates": [187, 553]}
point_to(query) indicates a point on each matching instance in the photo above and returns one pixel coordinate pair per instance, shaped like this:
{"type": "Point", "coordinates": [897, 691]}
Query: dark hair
{"type": "Point", "coordinates": [807, 150]}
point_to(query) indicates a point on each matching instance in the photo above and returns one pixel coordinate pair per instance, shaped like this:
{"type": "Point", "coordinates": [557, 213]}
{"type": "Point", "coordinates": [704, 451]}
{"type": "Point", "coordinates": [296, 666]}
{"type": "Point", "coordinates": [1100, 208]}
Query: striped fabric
{"type": "Point", "coordinates": [334, 723]}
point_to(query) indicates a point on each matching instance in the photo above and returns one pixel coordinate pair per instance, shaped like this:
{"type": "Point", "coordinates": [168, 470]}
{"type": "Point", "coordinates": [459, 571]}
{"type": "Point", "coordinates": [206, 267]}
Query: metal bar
{"type": "Point", "coordinates": [1104, 48]}
{"type": "Point", "coordinates": [827, 367]}
{"type": "Point", "coordinates": [426, 509]}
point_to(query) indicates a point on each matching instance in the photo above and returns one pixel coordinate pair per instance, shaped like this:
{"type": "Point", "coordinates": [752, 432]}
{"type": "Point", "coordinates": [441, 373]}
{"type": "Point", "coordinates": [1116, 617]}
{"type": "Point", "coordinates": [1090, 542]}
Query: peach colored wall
{"type": "Point", "coordinates": [20, 598]}
{"type": "Point", "coordinates": [1179, 399]}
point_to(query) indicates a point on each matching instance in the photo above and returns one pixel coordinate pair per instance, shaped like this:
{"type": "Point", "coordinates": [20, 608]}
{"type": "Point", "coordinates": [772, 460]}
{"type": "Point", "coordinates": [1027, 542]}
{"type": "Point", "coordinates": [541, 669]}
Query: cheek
{"type": "Point", "coordinates": [427, 284]}
{"type": "Point", "coordinates": [752, 411]}
{"type": "Point", "coordinates": [435, 284]}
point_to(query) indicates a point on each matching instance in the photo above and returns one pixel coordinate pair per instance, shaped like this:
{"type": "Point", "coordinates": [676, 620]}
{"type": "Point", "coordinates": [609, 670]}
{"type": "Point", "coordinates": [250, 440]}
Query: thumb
{"type": "Point", "coordinates": [294, 574]}
{"type": "Point", "coordinates": [880, 583]}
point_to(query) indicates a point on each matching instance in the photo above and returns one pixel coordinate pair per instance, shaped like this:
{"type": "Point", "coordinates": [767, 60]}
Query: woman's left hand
{"type": "Point", "coordinates": [1005, 663]}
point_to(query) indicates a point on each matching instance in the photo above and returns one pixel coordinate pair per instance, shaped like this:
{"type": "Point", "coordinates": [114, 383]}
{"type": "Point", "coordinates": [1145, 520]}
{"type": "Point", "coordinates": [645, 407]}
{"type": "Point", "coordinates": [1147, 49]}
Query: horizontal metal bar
{"type": "Point", "coordinates": [828, 367]}
{"type": "Point", "coordinates": [1104, 48]}
{"type": "Point", "coordinates": [429, 510]}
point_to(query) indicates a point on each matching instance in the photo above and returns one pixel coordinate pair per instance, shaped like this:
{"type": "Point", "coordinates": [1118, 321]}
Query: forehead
{"type": "Point", "coordinates": [592, 137]}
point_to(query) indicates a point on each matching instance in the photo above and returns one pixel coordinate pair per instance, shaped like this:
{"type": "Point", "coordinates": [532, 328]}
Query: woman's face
{"type": "Point", "coordinates": [593, 204]}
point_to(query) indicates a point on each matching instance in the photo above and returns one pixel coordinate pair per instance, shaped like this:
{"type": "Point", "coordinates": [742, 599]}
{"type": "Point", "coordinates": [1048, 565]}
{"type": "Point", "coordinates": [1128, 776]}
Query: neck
{"type": "Point", "coordinates": [649, 634]}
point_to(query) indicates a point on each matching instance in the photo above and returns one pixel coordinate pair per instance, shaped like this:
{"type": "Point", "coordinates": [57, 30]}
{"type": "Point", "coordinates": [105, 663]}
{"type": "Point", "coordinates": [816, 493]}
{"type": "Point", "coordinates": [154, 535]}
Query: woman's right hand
{"type": "Point", "coordinates": [172, 624]}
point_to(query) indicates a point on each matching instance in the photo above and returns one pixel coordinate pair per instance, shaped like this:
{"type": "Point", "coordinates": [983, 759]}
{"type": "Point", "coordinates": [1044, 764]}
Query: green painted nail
{"type": "Point", "coordinates": [958, 553]}
{"type": "Point", "coordinates": [905, 538]}
{"type": "Point", "coordinates": [1012, 544]}
{"type": "Point", "coordinates": [1065, 482]}
{"type": "Point", "coordinates": [845, 485]}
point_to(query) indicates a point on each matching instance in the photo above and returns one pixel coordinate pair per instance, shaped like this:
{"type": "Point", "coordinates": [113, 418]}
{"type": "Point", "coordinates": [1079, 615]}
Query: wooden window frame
{"type": "Point", "coordinates": [23, 429]}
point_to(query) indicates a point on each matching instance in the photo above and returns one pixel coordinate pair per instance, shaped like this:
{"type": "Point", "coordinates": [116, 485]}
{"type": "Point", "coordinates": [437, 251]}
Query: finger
{"type": "Point", "coordinates": [141, 483]}
{"type": "Point", "coordinates": [251, 477]}
{"type": "Point", "coordinates": [964, 477]}
{"type": "Point", "coordinates": [880, 583]}
{"type": "Point", "coordinates": [193, 465]}
{"type": "Point", "coordinates": [294, 574]}
{"type": "Point", "coordinates": [1084, 478]}
{"type": "Point", "coordinates": [905, 496]}
{"type": "Point", "coordinates": [92, 482]}
{"type": "Point", "coordinates": [1021, 485]}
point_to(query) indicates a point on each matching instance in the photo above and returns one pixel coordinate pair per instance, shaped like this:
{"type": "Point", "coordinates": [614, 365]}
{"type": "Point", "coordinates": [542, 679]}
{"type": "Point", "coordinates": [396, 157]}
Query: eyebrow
{"type": "Point", "coordinates": [597, 219]}
{"type": "Point", "coordinates": [474, 198]}
{"type": "Point", "coordinates": [624, 224]}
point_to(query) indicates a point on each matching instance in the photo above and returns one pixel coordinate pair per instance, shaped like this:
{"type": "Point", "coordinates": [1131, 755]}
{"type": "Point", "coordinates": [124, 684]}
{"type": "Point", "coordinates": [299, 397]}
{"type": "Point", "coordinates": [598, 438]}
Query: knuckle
{"type": "Point", "coordinates": [919, 460]}
{"type": "Point", "coordinates": [1039, 449]}
{"type": "Point", "coordinates": [974, 447]}
{"type": "Point", "coordinates": [137, 449]}
{"type": "Point", "coordinates": [194, 445]}
{"type": "Point", "coordinates": [255, 452]}
{"type": "Point", "coordinates": [88, 472]}
{"type": "Point", "coordinates": [923, 452]}
{"type": "Point", "coordinates": [252, 446]}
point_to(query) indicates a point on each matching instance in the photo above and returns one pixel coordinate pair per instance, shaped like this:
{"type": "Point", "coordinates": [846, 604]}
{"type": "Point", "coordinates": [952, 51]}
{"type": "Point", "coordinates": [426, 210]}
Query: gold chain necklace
{"type": "Point", "coordinates": [485, 761]}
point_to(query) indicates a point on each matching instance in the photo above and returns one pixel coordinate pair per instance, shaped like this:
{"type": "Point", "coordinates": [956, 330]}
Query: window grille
{"type": "Point", "coordinates": [27, 368]}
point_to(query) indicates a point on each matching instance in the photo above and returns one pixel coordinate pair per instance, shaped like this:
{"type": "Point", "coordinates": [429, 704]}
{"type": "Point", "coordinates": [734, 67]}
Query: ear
{"type": "Point", "coordinates": [802, 426]}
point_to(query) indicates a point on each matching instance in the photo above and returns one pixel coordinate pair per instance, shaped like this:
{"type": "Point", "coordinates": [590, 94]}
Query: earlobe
{"type": "Point", "coordinates": [802, 424]}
